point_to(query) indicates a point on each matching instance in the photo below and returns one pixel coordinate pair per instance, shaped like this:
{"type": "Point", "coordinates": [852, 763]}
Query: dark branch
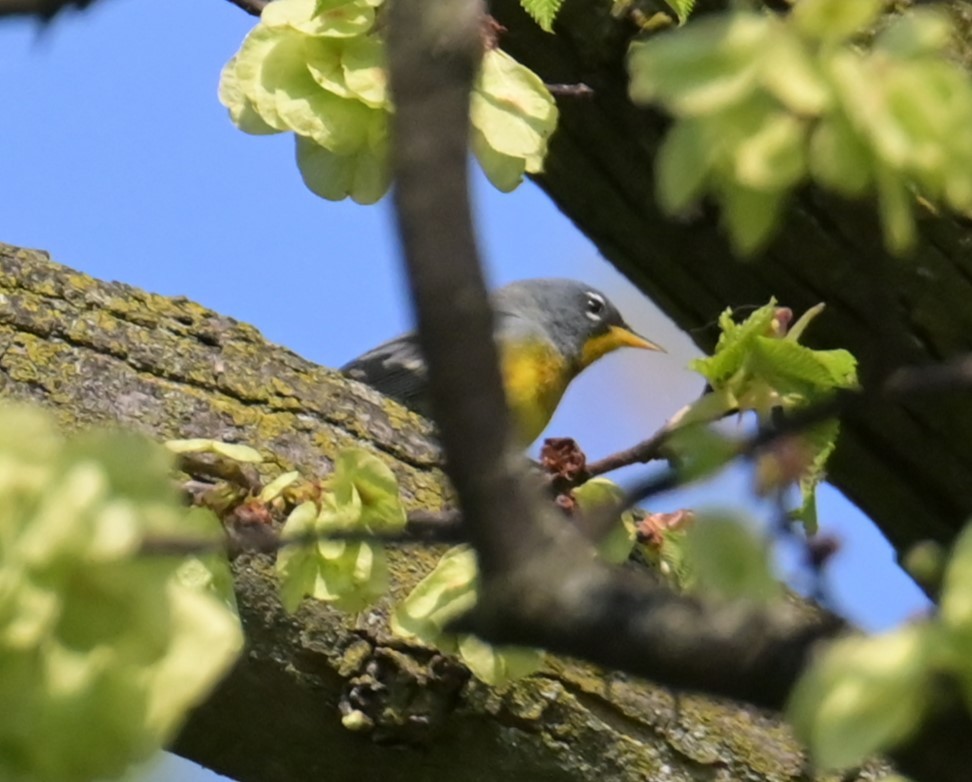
{"type": "Point", "coordinates": [434, 52]}
{"type": "Point", "coordinates": [422, 527]}
{"type": "Point", "coordinates": [44, 10]}
{"type": "Point", "coordinates": [252, 7]}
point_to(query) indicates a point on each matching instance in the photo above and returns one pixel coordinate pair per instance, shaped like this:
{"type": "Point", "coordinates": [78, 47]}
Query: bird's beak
{"type": "Point", "coordinates": [615, 337]}
{"type": "Point", "coordinates": [625, 337]}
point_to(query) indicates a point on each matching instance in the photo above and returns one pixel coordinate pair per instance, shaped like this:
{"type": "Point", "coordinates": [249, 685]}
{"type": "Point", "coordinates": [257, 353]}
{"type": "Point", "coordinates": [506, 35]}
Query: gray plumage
{"type": "Point", "coordinates": [565, 313]}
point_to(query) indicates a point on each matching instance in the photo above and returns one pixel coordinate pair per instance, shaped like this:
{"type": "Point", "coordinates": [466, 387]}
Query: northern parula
{"type": "Point", "coordinates": [548, 331]}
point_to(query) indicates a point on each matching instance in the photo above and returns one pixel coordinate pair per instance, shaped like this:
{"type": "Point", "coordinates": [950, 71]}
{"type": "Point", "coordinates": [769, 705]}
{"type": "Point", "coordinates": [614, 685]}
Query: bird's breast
{"type": "Point", "coordinates": [535, 376]}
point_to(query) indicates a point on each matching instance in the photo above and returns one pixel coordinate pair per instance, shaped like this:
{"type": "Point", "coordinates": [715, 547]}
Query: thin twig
{"type": "Point", "coordinates": [422, 527]}
{"type": "Point", "coordinates": [953, 376]}
{"type": "Point", "coordinates": [252, 7]}
{"type": "Point", "coordinates": [642, 453]}
{"type": "Point", "coordinates": [578, 90]}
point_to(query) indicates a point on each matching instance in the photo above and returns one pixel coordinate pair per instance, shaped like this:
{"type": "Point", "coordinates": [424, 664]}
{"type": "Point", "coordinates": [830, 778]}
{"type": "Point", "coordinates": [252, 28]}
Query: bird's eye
{"type": "Point", "coordinates": [594, 307]}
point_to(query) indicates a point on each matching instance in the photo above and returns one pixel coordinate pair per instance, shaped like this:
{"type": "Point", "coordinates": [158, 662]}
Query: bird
{"type": "Point", "coordinates": [548, 331]}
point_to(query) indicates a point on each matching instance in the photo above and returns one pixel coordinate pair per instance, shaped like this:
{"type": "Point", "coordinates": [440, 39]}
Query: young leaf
{"type": "Point", "coordinates": [956, 611]}
{"type": "Point", "coordinates": [723, 557]}
{"type": "Point", "coordinates": [442, 596]}
{"type": "Point", "coordinates": [682, 9]}
{"type": "Point", "coordinates": [544, 12]}
{"type": "Point", "coordinates": [685, 160]}
{"type": "Point", "coordinates": [360, 476]}
{"type": "Point", "coordinates": [512, 108]}
{"type": "Point", "coordinates": [598, 494]}
{"type": "Point", "coordinates": [234, 451]}
{"type": "Point", "coordinates": [497, 666]}
{"type": "Point", "coordinates": [863, 695]}
{"type": "Point", "coordinates": [96, 638]}
{"type": "Point", "coordinates": [835, 20]}
{"type": "Point", "coordinates": [277, 486]}
{"type": "Point", "coordinates": [349, 574]}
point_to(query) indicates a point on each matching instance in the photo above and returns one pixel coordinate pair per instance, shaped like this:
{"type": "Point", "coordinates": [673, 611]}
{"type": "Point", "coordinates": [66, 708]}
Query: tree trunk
{"type": "Point", "coordinates": [105, 353]}
{"type": "Point", "coordinates": [906, 465]}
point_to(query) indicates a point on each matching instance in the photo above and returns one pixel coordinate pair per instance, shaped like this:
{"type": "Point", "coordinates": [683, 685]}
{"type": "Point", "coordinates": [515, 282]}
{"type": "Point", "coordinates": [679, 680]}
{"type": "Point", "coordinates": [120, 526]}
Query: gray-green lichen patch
{"type": "Point", "coordinates": [107, 352]}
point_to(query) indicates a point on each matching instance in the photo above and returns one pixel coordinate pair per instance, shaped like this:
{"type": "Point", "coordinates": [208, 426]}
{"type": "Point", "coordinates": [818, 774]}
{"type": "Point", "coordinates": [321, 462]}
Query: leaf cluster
{"type": "Point", "coordinates": [317, 68]}
{"type": "Point", "coordinates": [763, 103]}
{"type": "Point", "coordinates": [760, 366]}
{"type": "Point", "coordinates": [865, 695]}
{"type": "Point", "coordinates": [94, 639]}
{"type": "Point", "coordinates": [360, 496]}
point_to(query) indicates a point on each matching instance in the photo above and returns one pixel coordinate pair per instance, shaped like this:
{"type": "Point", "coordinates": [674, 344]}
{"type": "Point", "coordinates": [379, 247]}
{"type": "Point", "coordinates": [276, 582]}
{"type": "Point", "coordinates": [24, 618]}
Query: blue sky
{"type": "Point", "coordinates": [116, 157]}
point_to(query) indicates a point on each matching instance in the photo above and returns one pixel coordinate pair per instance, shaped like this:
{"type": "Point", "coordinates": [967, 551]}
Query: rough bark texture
{"type": "Point", "coordinates": [907, 466]}
{"type": "Point", "coordinates": [105, 353]}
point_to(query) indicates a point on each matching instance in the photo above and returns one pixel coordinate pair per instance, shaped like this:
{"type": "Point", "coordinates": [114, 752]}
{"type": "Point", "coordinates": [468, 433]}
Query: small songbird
{"type": "Point", "coordinates": [548, 331]}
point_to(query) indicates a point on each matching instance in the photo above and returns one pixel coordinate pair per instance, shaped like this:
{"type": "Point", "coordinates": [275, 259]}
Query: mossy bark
{"type": "Point", "coordinates": [905, 465]}
{"type": "Point", "coordinates": [105, 353]}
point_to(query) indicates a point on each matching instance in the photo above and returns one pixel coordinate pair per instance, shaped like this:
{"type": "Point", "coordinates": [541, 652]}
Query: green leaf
{"type": "Point", "coordinates": [920, 32]}
{"type": "Point", "coordinates": [341, 19]}
{"type": "Point", "coordinates": [272, 72]}
{"type": "Point", "coordinates": [96, 638]}
{"type": "Point", "coordinates": [863, 695]}
{"type": "Point", "coordinates": [324, 65]}
{"type": "Point", "coordinates": [796, 373]}
{"type": "Point", "coordinates": [698, 451]}
{"type": "Point", "coordinates": [543, 12]}
{"type": "Point", "coordinates": [773, 158]}
{"type": "Point", "coordinates": [682, 9]}
{"type": "Point", "coordinates": [734, 345]}
{"type": "Point", "coordinates": [835, 20]}
{"type": "Point", "coordinates": [364, 175]}
{"type": "Point", "coordinates": [277, 486]}
{"type": "Point", "coordinates": [820, 442]}
{"type": "Point", "coordinates": [702, 68]}
{"type": "Point", "coordinates": [722, 556]}
{"type": "Point", "coordinates": [361, 477]}
{"type": "Point", "coordinates": [208, 572]}
{"type": "Point", "coordinates": [234, 451]}
{"type": "Point", "coordinates": [365, 74]}
{"type": "Point", "coordinates": [241, 111]}
{"type": "Point", "coordinates": [348, 574]}
{"type": "Point", "coordinates": [297, 567]}
{"type": "Point", "coordinates": [317, 68]}
{"type": "Point", "coordinates": [497, 666]}
{"type": "Point", "coordinates": [504, 172]}
{"type": "Point", "coordinates": [442, 596]}
{"type": "Point", "coordinates": [598, 494]}
{"type": "Point", "coordinates": [237, 452]}
{"type": "Point", "coordinates": [839, 158]}
{"type": "Point", "coordinates": [956, 612]}
{"type": "Point", "coordinates": [750, 215]}
{"type": "Point", "coordinates": [512, 108]}
{"type": "Point", "coordinates": [683, 165]}
{"type": "Point", "coordinates": [791, 73]}
{"type": "Point", "coordinates": [761, 370]}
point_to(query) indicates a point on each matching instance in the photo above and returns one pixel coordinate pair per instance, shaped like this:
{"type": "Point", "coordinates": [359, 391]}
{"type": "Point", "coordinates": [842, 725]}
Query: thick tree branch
{"type": "Point", "coordinates": [105, 353]}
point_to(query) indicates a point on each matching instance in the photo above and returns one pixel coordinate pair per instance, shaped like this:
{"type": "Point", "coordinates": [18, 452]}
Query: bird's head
{"type": "Point", "coordinates": [579, 319]}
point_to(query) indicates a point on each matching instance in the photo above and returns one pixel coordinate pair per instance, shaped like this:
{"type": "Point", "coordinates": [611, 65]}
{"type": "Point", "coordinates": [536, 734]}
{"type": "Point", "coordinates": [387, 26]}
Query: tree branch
{"type": "Point", "coordinates": [434, 53]}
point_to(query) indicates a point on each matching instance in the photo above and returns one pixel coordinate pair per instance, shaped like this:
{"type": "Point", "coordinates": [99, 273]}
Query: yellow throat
{"type": "Point", "coordinates": [536, 374]}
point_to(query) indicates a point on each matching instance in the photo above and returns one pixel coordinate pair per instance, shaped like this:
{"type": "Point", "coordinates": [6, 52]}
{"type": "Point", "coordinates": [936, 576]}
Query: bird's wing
{"type": "Point", "coordinates": [395, 368]}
